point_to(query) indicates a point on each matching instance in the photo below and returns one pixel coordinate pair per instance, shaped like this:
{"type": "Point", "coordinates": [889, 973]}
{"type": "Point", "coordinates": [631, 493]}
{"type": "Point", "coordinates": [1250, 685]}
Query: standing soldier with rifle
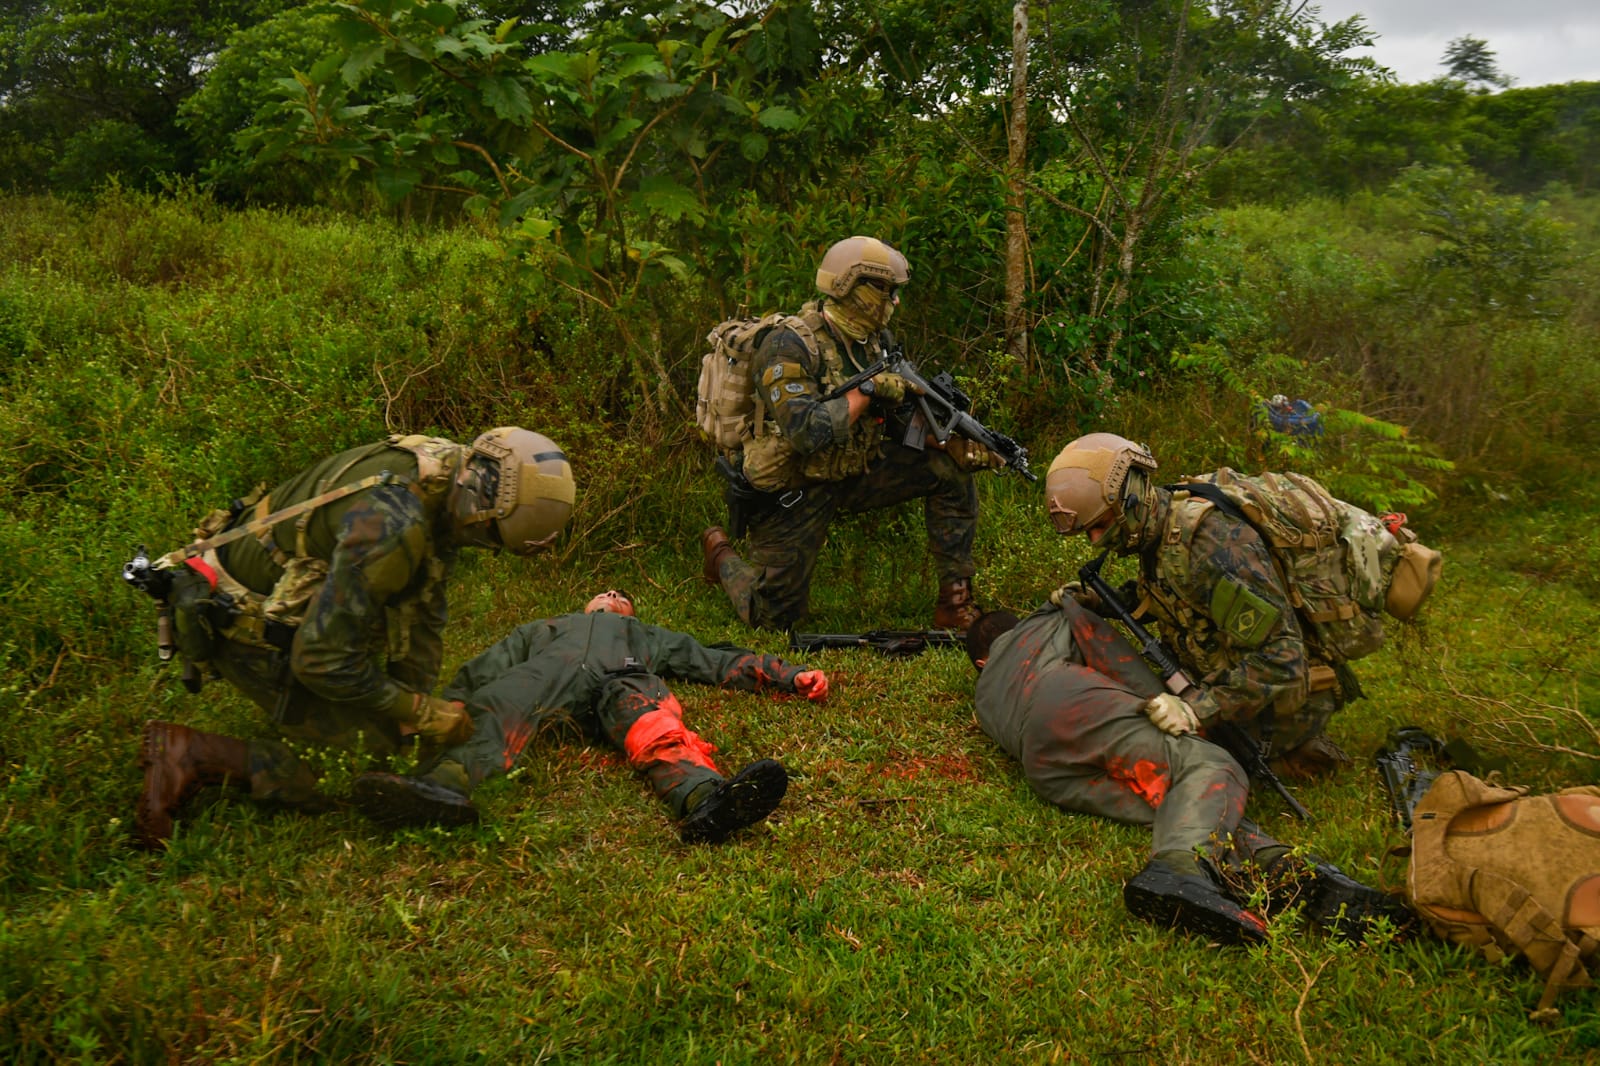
{"type": "Point", "coordinates": [1067, 696]}
{"type": "Point", "coordinates": [323, 602]}
{"type": "Point", "coordinates": [819, 450]}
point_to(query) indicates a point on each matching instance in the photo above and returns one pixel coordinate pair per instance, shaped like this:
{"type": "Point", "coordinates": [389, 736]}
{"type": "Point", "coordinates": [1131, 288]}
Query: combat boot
{"type": "Point", "coordinates": [741, 800]}
{"type": "Point", "coordinates": [1333, 901]}
{"type": "Point", "coordinates": [395, 801]}
{"type": "Point", "coordinates": [715, 547]}
{"type": "Point", "coordinates": [177, 762]}
{"type": "Point", "coordinates": [1191, 902]}
{"type": "Point", "coordinates": [1317, 757]}
{"type": "Point", "coordinates": [956, 609]}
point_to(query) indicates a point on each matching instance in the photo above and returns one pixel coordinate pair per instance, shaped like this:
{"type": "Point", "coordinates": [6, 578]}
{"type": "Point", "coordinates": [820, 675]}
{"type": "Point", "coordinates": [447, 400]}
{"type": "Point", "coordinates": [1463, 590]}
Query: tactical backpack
{"type": "Point", "coordinates": [1511, 874]}
{"type": "Point", "coordinates": [725, 403]}
{"type": "Point", "coordinates": [210, 606]}
{"type": "Point", "coordinates": [1343, 567]}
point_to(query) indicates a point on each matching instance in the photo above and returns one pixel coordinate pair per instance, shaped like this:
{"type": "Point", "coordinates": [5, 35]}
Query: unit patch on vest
{"type": "Point", "coordinates": [1245, 617]}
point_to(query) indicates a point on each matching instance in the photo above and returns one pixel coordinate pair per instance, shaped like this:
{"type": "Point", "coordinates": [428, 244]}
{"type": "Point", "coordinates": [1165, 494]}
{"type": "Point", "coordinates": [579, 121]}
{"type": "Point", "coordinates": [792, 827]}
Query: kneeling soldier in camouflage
{"type": "Point", "coordinates": [819, 457]}
{"type": "Point", "coordinates": [323, 601]}
{"type": "Point", "coordinates": [600, 675]}
{"type": "Point", "coordinates": [1068, 697]}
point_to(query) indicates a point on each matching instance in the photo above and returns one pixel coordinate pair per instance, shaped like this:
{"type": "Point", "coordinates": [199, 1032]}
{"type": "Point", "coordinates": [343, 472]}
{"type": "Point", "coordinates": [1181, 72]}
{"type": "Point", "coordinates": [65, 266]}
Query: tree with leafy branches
{"type": "Point", "coordinates": [1470, 59]}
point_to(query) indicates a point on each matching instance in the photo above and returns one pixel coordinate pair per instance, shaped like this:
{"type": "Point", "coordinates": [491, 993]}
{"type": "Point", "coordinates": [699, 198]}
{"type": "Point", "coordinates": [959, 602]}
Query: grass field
{"type": "Point", "coordinates": [910, 901]}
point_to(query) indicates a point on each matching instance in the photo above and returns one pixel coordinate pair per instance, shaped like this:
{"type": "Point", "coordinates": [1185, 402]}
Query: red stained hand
{"type": "Point", "coordinates": [812, 684]}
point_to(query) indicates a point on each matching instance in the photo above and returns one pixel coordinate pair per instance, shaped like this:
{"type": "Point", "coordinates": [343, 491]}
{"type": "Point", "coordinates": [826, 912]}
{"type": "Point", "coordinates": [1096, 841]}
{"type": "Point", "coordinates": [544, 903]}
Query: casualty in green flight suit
{"type": "Point", "coordinates": [1067, 696]}
{"type": "Point", "coordinates": [324, 602]}
{"type": "Point", "coordinates": [599, 675]}
{"type": "Point", "coordinates": [822, 457]}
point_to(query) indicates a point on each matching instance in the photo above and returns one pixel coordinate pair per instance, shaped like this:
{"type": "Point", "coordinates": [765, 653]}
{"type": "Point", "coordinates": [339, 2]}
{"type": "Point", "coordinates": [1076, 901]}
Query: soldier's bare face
{"type": "Point", "coordinates": [1099, 528]}
{"type": "Point", "coordinates": [611, 600]}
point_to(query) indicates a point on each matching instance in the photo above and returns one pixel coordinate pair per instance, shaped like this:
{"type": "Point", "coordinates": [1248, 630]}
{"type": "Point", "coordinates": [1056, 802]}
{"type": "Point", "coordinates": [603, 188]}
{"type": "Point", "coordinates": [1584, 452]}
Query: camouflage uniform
{"type": "Point", "coordinates": [1210, 581]}
{"type": "Point", "coordinates": [598, 676]}
{"type": "Point", "coordinates": [820, 464]}
{"type": "Point", "coordinates": [1064, 694]}
{"type": "Point", "coordinates": [372, 634]}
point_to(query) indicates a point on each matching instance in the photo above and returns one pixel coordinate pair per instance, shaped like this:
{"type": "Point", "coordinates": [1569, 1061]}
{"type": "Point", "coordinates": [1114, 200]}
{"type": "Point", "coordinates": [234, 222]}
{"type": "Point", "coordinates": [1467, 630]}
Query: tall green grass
{"type": "Point", "coordinates": [911, 900]}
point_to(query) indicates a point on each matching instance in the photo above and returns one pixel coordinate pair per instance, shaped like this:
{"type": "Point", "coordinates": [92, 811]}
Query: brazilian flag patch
{"type": "Point", "coordinates": [1245, 617]}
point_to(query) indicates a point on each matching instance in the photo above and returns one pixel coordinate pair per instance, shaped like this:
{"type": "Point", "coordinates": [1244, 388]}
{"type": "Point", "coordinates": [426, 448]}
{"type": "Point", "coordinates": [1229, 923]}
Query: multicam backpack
{"type": "Point", "coordinates": [1511, 874]}
{"type": "Point", "coordinates": [725, 404]}
{"type": "Point", "coordinates": [1344, 568]}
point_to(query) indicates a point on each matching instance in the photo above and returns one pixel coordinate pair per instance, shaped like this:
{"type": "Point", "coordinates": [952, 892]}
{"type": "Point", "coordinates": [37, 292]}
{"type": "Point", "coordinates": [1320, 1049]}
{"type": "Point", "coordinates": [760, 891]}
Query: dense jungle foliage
{"type": "Point", "coordinates": [237, 237]}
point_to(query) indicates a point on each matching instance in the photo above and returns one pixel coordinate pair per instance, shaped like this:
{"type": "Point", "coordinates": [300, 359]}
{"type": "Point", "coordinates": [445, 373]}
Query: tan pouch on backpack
{"type": "Point", "coordinates": [1511, 874]}
{"type": "Point", "coordinates": [1415, 574]}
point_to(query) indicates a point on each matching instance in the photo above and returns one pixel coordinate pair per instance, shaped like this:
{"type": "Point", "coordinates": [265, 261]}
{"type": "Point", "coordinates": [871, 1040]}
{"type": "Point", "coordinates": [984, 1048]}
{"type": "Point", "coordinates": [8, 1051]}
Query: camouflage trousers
{"type": "Point", "coordinates": [1088, 747]}
{"type": "Point", "coordinates": [771, 586]}
{"type": "Point", "coordinates": [633, 711]}
{"type": "Point", "coordinates": [277, 774]}
{"type": "Point", "coordinates": [1279, 733]}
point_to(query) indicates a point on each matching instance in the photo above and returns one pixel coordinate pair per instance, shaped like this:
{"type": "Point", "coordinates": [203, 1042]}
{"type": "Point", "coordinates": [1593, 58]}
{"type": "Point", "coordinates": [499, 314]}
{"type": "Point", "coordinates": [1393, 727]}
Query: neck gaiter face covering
{"type": "Point", "coordinates": [865, 310]}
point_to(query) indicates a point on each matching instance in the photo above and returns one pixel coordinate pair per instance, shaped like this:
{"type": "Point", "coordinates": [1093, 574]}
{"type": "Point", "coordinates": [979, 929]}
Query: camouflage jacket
{"type": "Point", "coordinates": [800, 436]}
{"type": "Point", "coordinates": [556, 666]}
{"type": "Point", "coordinates": [372, 634]}
{"type": "Point", "coordinates": [1211, 582]}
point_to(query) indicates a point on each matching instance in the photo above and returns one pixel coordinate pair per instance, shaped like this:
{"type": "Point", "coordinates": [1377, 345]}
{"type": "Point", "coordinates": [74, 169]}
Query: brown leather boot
{"type": "Point", "coordinates": [1317, 757]}
{"type": "Point", "coordinates": [715, 547]}
{"type": "Point", "coordinates": [956, 609]}
{"type": "Point", "coordinates": [177, 762]}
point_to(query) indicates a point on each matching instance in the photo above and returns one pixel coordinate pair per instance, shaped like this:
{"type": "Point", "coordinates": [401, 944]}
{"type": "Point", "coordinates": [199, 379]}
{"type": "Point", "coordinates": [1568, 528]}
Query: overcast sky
{"type": "Point", "coordinates": [1535, 41]}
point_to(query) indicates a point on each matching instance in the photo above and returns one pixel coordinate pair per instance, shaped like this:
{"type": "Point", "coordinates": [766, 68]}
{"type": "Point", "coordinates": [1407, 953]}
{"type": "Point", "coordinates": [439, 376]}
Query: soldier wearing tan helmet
{"type": "Point", "coordinates": [820, 457]}
{"type": "Point", "coordinates": [1210, 579]}
{"type": "Point", "coordinates": [323, 601]}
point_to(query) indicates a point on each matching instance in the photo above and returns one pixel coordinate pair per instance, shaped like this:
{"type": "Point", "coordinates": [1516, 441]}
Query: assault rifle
{"type": "Point", "coordinates": [1404, 779]}
{"type": "Point", "coordinates": [1245, 751]}
{"type": "Point", "coordinates": [156, 583]}
{"type": "Point", "coordinates": [939, 409]}
{"type": "Point", "coordinates": [896, 643]}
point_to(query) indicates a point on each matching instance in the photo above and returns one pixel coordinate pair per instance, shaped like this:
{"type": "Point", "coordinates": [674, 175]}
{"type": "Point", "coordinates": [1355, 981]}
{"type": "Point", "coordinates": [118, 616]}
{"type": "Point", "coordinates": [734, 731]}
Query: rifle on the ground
{"type": "Point", "coordinates": [940, 409]}
{"type": "Point", "coordinates": [891, 642]}
{"type": "Point", "coordinates": [1404, 778]}
{"type": "Point", "coordinates": [1245, 751]}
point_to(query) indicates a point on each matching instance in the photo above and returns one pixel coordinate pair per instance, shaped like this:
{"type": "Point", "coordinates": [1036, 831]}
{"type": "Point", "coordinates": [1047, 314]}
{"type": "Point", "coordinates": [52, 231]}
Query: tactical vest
{"type": "Point", "coordinates": [770, 461]}
{"type": "Point", "coordinates": [224, 608]}
{"type": "Point", "coordinates": [1197, 639]}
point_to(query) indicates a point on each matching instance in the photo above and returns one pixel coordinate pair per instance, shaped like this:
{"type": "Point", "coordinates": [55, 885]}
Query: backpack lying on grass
{"type": "Point", "coordinates": [1511, 874]}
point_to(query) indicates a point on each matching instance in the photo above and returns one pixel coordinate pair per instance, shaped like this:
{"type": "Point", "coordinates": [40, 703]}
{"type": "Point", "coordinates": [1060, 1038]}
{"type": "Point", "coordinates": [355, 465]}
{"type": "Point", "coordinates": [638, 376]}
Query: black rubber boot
{"type": "Point", "coordinates": [1190, 902]}
{"type": "Point", "coordinates": [741, 800]}
{"type": "Point", "coordinates": [393, 801]}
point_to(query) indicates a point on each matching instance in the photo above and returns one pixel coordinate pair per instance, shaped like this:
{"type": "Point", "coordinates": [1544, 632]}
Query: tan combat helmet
{"type": "Point", "coordinates": [857, 258]}
{"type": "Point", "coordinates": [534, 490]}
{"type": "Point", "coordinates": [1085, 481]}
